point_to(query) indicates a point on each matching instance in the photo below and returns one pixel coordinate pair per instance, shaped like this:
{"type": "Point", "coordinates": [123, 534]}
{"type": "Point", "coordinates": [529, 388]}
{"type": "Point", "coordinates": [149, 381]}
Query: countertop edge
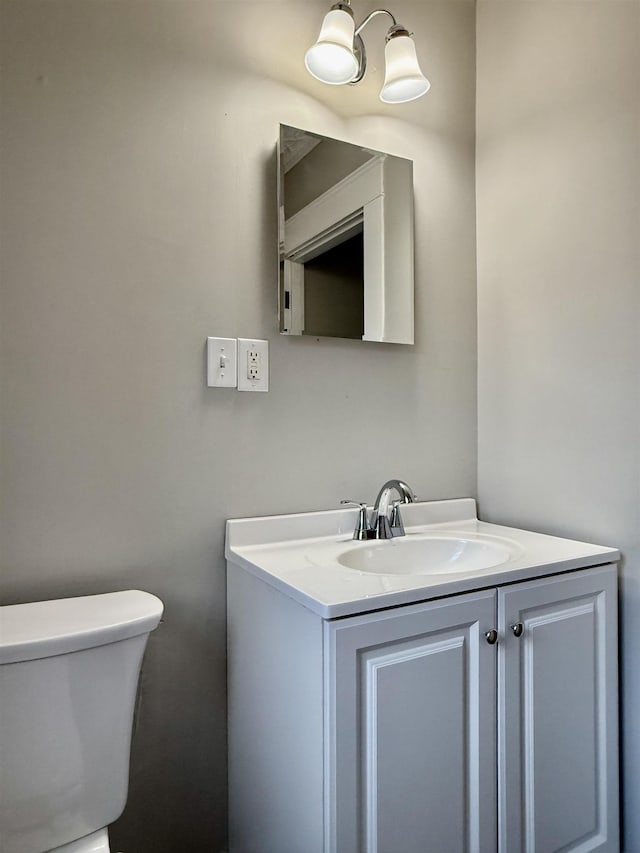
{"type": "Point", "coordinates": [453, 586]}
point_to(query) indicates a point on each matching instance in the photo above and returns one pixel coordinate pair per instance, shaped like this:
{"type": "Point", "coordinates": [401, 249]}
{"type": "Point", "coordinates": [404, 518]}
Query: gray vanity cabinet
{"type": "Point", "coordinates": [409, 731]}
{"type": "Point", "coordinates": [558, 714]}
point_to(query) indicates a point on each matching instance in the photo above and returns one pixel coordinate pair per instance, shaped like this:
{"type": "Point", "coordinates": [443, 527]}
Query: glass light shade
{"type": "Point", "coordinates": [331, 59]}
{"type": "Point", "coordinates": [403, 79]}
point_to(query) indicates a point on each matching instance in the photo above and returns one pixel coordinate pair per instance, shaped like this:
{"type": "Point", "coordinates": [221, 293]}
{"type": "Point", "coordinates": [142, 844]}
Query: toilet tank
{"type": "Point", "coordinates": [68, 679]}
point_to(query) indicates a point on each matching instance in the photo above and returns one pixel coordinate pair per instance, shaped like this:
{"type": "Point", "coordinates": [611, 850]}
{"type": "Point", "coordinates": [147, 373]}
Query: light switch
{"type": "Point", "coordinates": [222, 362]}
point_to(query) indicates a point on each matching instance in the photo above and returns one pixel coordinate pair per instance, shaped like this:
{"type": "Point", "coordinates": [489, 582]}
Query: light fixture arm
{"type": "Point", "coordinates": [358, 44]}
{"type": "Point", "coordinates": [371, 15]}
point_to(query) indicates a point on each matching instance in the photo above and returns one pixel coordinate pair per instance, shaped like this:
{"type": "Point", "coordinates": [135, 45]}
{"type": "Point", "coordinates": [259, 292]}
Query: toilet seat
{"type": "Point", "coordinates": [97, 842]}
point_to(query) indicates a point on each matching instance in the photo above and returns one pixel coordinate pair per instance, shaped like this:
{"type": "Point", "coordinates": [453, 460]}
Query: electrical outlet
{"type": "Point", "coordinates": [253, 365]}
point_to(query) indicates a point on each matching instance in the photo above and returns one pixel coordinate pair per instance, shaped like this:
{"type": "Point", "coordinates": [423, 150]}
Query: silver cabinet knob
{"type": "Point", "coordinates": [517, 629]}
{"type": "Point", "coordinates": [491, 637]}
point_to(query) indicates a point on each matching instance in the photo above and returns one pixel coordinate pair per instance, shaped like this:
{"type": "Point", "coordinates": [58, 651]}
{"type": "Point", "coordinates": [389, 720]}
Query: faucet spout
{"type": "Point", "coordinates": [406, 493]}
{"type": "Point", "coordinates": [385, 529]}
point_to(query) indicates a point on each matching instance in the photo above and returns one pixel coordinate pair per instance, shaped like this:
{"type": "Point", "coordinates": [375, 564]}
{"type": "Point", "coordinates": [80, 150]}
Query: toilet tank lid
{"type": "Point", "coordinates": [45, 628]}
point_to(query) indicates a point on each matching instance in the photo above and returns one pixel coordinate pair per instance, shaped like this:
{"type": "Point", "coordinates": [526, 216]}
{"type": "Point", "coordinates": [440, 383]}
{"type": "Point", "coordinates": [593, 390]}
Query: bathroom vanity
{"type": "Point", "coordinates": [451, 690]}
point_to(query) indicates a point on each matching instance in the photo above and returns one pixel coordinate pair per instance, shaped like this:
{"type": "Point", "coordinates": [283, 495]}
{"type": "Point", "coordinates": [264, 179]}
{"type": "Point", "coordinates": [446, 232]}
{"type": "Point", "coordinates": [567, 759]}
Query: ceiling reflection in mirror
{"type": "Point", "coordinates": [345, 218]}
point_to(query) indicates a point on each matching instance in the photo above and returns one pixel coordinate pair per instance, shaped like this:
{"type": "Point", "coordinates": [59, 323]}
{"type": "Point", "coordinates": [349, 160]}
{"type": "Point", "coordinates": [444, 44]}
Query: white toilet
{"type": "Point", "coordinates": [68, 679]}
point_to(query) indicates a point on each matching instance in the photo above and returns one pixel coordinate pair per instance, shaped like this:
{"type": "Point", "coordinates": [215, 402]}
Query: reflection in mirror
{"type": "Point", "coordinates": [346, 240]}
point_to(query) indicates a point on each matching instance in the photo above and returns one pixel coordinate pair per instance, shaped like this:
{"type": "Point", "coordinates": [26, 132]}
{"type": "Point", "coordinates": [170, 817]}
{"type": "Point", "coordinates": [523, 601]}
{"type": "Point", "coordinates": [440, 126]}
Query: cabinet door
{"type": "Point", "coordinates": [557, 707]}
{"type": "Point", "coordinates": [410, 732]}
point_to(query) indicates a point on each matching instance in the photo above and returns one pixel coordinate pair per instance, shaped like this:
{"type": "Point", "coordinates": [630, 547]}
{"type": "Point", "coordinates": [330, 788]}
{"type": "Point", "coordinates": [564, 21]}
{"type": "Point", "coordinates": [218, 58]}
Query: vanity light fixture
{"type": "Point", "coordinates": [339, 56]}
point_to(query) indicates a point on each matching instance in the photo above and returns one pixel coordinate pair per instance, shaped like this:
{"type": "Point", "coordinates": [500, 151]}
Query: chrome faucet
{"type": "Point", "coordinates": [385, 527]}
{"type": "Point", "coordinates": [381, 525]}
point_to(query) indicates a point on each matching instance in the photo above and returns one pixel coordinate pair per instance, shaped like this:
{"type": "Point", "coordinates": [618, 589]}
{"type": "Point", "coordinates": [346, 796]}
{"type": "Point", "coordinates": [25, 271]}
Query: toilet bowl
{"type": "Point", "coordinates": [68, 680]}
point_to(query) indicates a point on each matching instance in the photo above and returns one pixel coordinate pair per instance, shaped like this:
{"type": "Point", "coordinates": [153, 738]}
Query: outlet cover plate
{"type": "Point", "coordinates": [253, 364]}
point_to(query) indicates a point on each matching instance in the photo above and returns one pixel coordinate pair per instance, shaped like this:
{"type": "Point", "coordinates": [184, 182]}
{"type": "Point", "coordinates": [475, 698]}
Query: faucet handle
{"type": "Point", "coordinates": [361, 530]}
{"type": "Point", "coordinates": [397, 527]}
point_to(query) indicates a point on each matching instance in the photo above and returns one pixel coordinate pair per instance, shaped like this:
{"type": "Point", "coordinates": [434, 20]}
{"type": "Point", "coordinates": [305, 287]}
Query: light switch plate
{"type": "Point", "coordinates": [222, 362]}
{"type": "Point", "coordinates": [253, 365]}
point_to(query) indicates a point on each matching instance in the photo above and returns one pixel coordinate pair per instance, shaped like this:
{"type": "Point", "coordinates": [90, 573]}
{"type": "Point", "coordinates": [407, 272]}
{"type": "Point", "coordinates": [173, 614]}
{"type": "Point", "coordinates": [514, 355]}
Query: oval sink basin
{"type": "Point", "coordinates": [433, 555]}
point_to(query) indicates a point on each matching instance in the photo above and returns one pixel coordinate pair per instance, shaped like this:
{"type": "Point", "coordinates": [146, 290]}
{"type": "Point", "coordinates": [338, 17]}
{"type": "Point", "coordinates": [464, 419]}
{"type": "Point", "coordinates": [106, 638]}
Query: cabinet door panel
{"type": "Point", "coordinates": [411, 731]}
{"type": "Point", "coordinates": [558, 715]}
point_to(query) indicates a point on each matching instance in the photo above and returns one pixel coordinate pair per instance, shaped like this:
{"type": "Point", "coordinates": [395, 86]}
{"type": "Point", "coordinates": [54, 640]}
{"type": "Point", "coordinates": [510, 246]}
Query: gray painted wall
{"type": "Point", "coordinates": [138, 217]}
{"type": "Point", "coordinates": [558, 183]}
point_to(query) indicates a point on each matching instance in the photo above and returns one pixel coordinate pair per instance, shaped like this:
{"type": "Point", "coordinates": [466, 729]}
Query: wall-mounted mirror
{"type": "Point", "coordinates": [346, 240]}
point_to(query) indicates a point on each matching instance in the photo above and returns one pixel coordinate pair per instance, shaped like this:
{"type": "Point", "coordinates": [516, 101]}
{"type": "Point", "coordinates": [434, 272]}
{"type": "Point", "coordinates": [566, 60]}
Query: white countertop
{"type": "Point", "coordinates": [298, 554]}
